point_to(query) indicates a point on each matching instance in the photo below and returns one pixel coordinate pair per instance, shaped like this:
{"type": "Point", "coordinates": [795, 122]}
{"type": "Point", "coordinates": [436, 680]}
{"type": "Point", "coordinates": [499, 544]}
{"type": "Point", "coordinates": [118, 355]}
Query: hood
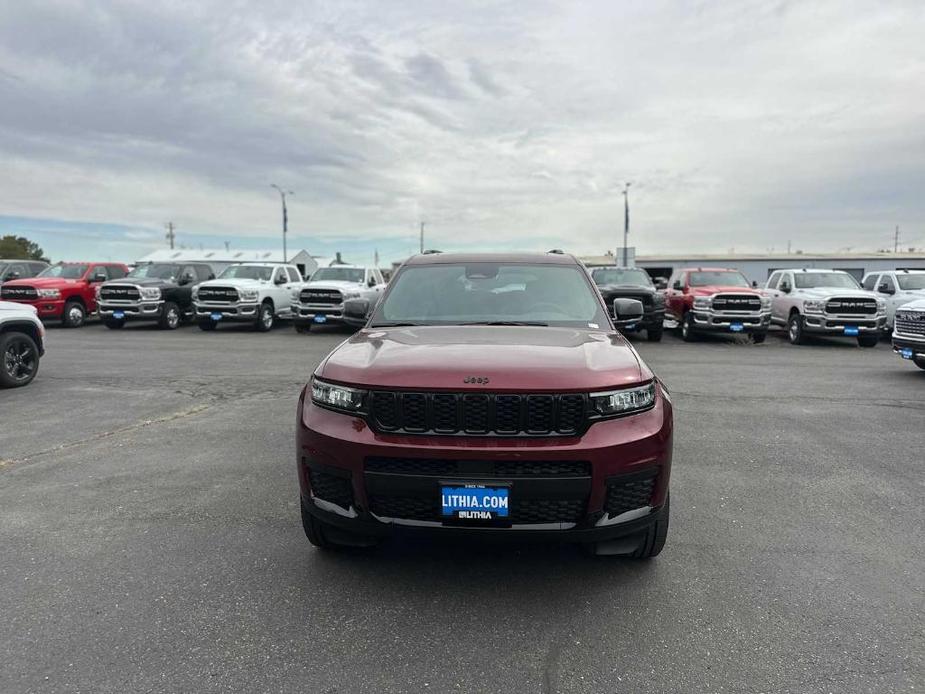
{"type": "Point", "coordinates": [336, 284]}
{"type": "Point", "coordinates": [512, 358]}
{"type": "Point", "coordinates": [12, 307]}
{"type": "Point", "coordinates": [236, 282]}
{"type": "Point", "coordinates": [721, 289]}
{"type": "Point", "coordinates": [42, 282]}
{"type": "Point", "coordinates": [826, 292]}
{"type": "Point", "coordinates": [917, 305]}
{"type": "Point", "coordinates": [625, 288]}
{"type": "Point", "coordinates": [140, 282]}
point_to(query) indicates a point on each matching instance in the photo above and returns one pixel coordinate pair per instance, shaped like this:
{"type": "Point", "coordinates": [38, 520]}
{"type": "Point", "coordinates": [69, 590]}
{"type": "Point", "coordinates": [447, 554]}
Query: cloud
{"type": "Point", "coordinates": [739, 123]}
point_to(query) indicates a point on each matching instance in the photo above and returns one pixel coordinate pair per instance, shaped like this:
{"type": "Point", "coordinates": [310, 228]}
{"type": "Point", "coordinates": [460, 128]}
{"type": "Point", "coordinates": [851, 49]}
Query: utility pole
{"type": "Point", "coordinates": [626, 223]}
{"type": "Point", "coordinates": [171, 236]}
{"type": "Point", "coordinates": [896, 240]}
{"type": "Point", "coordinates": [282, 197]}
{"type": "Point", "coordinates": [422, 235]}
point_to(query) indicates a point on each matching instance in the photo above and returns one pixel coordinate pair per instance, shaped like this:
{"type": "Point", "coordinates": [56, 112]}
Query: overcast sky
{"type": "Point", "coordinates": [503, 124]}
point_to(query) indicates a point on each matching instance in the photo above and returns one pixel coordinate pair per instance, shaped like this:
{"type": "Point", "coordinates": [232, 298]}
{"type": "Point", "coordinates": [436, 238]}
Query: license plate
{"type": "Point", "coordinates": [851, 330]}
{"type": "Point", "coordinates": [216, 316]}
{"type": "Point", "coordinates": [906, 353]}
{"type": "Point", "coordinates": [118, 315]}
{"type": "Point", "coordinates": [321, 319]}
{"type": "Point", "coordinates": [736, 327]}
{"type": "Point", "coordinates": [631, 326]}
{"type": "Point", "coordinates": [474, 502]}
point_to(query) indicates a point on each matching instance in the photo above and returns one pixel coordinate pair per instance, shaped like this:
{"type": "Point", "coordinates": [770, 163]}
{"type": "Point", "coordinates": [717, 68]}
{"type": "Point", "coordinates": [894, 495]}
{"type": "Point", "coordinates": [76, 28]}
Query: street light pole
{"type": "Point", "coordinates": [626, 223]}
{"type": "Point", "coordinates": [282, 196]}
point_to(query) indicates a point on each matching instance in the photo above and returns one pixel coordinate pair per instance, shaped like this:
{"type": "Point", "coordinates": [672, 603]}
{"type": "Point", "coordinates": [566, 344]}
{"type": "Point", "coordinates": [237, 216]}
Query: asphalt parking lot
{"type": "Point", "coordinates": [151, 539]}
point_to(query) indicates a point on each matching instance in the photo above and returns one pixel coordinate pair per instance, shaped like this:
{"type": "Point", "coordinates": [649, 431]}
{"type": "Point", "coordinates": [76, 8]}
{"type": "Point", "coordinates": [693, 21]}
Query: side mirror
{"type": "Point", "coordinates": [661, 283]}
{"type": "Point", "coordinates": [885, 288]}
{"type": "Point", "coordinates": [677, 286]}
{"type": "Point", "coordinates": [785, 287]}
{"type": "Point", "coordinates": [14, 275]}
{"type": "Point", "coordinates": [99, 277]}
{"type": "Point", "coordinates": [356, 312]}
{"type": "Point", "coordinates": [186, 279]}
{"type": "Point", "coordinates": [754, 284]}
{"type": "Point", "coordinates": [626, 311]}
{"type": "Point", "coordinates": [280, 280]}
{"type": "Point", "coordinates": [371, 282]}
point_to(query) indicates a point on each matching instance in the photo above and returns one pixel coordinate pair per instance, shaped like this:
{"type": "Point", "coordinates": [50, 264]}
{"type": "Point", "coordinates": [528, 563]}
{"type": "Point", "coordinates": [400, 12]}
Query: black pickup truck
{"type": "Point", "coordinates": [633, 283]}
{"type": "Point", "coordinates": [158, 292]}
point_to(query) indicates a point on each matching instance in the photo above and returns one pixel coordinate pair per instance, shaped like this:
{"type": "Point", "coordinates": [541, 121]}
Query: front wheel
{"type": "Point", "coordinates": [687, 328]}
{"type": "Point", "coordinates": [759, 337]}
{"type": "Point", "coordinates": [19, 359]}
{"type": "Point", "coordinates": [170, 317]}
{"type": "Point", "coordinates": [919, 362]}
{"type": "Point", "coordinates": [303, 327]}
{"type": "Point", "coordinates": [654, 334]}
{"type": "Point", "coordinates": [114, 323]}
{"type": "Point", "coordinates": [207, 325]}
{"type": "Point", "coordinates": [656, 535]}
{"type": "Point", "coordinates": [74, 314]}
{"type": "Point", "coordinates": [868, 340]}
{"type": "Point", "coordinates": [795, 329]}
{"type": "Point", "coordinates": [265, 318]}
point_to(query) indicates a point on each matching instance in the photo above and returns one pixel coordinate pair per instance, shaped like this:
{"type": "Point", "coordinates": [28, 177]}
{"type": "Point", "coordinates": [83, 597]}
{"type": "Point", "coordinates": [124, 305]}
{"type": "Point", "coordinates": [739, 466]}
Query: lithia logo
{"type": "Point", "coordinates": [476, 379]}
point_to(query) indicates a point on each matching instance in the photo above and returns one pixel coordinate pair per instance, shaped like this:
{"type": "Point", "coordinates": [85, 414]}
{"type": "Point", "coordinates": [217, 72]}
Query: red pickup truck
{"type": "Point", "coordinates": [717, 300]}
{"type": "Point", "coordinates": [65, 292]}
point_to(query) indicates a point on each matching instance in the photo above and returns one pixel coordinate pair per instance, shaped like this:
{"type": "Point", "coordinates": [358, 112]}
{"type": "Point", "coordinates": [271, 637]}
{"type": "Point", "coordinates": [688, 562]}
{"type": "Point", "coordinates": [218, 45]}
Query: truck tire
{"type": "Point", "coordinates": [759, 337]}
{"type": "Point", "coordinates": [919, 362]}
{"type": "Point", "coordinates": [795, 329]}
{"type": "Point", "coordinates": [656, 535]}
{"type": "Point", "coordinates": [688, 333]}
{"type": "Point", "coordinates": [654, 334]}
{"type": "Point", "coordinates": [303, 327]}
{"type": "Point", "coordinates": [868, 340]}
{"type": "Point", "coordinates": [265, 318]}
{"type": "Point", "coordinates": [19, 359]}
{"type": "Point", "coordinates": [170, 317]}
{"type": "Point", "coordinates": [74, 314]}
{"type": "Point", "coordinates": [114, 323]}
{"type": "Point", "coordinates": [207, 325]}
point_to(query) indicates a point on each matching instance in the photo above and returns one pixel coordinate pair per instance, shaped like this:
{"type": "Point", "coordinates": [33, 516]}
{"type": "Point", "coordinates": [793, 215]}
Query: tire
{"type": "Point", "coordinates": [170, 317]}
{"type": "Point", "coordinates": [795, 329]}
{"type": "Point", "coordinates": [688, 333]}
{"type": "Point", "coordinates": [114, 323]}
{"type": "Point", "coordinates": [207, 325]}
{"type": "Point", "coordinates": [19, 359]}
{"type": "Point", "coordinates": [74, 314]}
{"type": "Point", "coordinates": [265, 318]}
{"type": "Point", "coordinates": [919, 363]}
{"type": "Point", "coordinates": [654, 334]}
{"type": "Point", "coordinates": [759, 337]}
{"type": "Point", "coordinates": [868, 340]}
{"type": "Point", "coordinates": [302, 328]}
{"type": "Point", "coordinates": [656, 535]}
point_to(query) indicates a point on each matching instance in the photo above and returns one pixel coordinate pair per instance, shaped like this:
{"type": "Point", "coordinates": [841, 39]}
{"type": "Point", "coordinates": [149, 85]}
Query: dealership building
{"type": "Point", "coordinates": [757, 267]}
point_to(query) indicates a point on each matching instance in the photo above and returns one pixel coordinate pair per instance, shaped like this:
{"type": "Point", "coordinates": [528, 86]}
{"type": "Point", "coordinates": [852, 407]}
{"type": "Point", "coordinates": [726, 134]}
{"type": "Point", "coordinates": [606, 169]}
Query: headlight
{"type": "Point", "coordinates": [765, 302]}
{"type": "Point", "coordinates": [337, 397]}
{"type": "Point", "coordinates": [249, 294]}
{"type": "Point", "coordinates": [295, 294]}
{"type": "Point", "coordinates": [703, 302]}
{"type": "Point", "coordinates": [881, 306]}
{"type": "Point", "coordinates": [619, 402]}
{"type": "Point", "coordinates": [351, 295]}
{"type": "Point", "coordinates": [49, 293]}
{"type": "Point", "coordinates": [195, 293]}
{"type": "Point", "coordinates": [813, 306]}
{"type": "Point", "coordinates": [150, 293]}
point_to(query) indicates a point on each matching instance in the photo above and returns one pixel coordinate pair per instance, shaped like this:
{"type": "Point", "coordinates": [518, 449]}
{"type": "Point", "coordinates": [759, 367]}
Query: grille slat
{"type": "Point", "coordinates": [910, 323]}
{"type": "Point", "coordinates": [629, 494]}
{"type": "Point", "coordinates": [479, 414]}
{"type": "Point", "coordinates": [119, 292]}
{"type": "Point", "coordinates": [326, 297]}
{"type": "Point", "coordinates": [847, 306]}
{"type": "Point", "coordinates": [337, 490]}
{"type": "Point", "coordinates": [19, 293]}
{"type": "Point", "coordinates": [736, 302]}
{"type": "Point", "coordinates": [218, 295]}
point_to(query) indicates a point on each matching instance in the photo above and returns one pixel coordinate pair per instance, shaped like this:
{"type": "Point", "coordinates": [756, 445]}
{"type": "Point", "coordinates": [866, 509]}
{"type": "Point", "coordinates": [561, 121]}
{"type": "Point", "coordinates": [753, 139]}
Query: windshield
{"type": "Point", "coordinates": [613, 275]}
{"type": "Point", "coordinates": [721, 278]}
{"type": "Point", "coordinates": [457, 293]}
{"type": "Point", "coordinates": [248, 272]}
{"type": "Point", "coordinates": [840, 280]}
{"type": "Point", "coordinates": [911, 282]}
{"type": "Point", "coordinates": [339, 274]}
{"type": "Point", "coordinates": [156, 271]}
{"type": "Point", "coordinates": [68, 272]}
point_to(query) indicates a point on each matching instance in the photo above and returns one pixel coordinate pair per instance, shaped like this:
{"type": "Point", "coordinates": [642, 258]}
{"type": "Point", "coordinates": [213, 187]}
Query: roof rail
{"type": "Point", "coordinates": [431, 251]}
{"type": "Point", "coordinates": [557, 251]}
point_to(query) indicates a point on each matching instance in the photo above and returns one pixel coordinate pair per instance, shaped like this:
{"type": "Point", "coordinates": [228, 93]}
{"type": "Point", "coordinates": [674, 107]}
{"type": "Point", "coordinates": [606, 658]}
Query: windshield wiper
{"type": "Point", "coordinates": [509, 322]}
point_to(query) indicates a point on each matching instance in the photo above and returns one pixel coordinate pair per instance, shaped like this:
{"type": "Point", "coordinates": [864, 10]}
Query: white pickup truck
{"type": "Point", "coordinates": [22, 344]}
{"type": "Point", "coordinates": [896, 288]}
{"type": "Point", "coordinates": [909, 332]}
{"type": "Point", "coordinates": [824, 302]}
{"type": "Point", "coordinates": [321, 300]}
{"type": "Point", "coordinates": [257, 293]}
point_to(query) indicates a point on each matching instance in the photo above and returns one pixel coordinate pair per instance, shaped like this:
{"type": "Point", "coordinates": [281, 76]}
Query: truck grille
{"type": "Point", "coordinates": [851, 306]}
{"type": "Point", "coordinates": [736, 302]}
{"type": "Point", "coordinates": [479, 468]}
{"type": "Point", "coordinates": [478, 414]}
{"type": "Point", "coordinates": [218, 295]}
{"type": "Point", "coordinates": [18, 293]}
{"type": "Point", "coordinates": [325, 297]}
{"type": "Point", "coordinates": [119, 292]}
{"type": "Point", "coordinates": [910, 323]}
{"type": "Point", "coordinates": [629, 492]}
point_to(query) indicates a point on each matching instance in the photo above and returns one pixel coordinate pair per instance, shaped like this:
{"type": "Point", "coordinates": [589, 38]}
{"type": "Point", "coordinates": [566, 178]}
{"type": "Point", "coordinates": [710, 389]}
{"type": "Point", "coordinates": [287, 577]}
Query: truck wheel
{"type": "Point", "coordinates": [207, 325]}
{"type": "Point", "coordinates": [19, 359]}
{"type": "Point", "coordinates": [114, 323]}
{"type": "Point", "coordinates": [688, 334]}
{"type": "Point", "coordinates": [654, 334]}
{"type": "Point", "coordinates": [170, 317]}
{"type": "Point", "coordinates": [74, 314]}
{"type": "Point", "coordinates": [303, 327]}
{"type": "Point", "coordinates": [868, 340]}
{"type": "Point", "coordinates": [919, 362]}
{"type": "Point", "coordinates": [656, 534]}
{"type": "Point", "coordinates": [265, 318]}
{"type": "Point", "coordinates": [795, 329]}
{"type": "Point", "coordinates": [759, 337]}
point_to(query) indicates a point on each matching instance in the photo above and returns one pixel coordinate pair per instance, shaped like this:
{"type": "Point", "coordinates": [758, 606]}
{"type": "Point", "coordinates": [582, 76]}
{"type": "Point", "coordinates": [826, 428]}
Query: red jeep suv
{"type": "Point", "coordinates": [489, 396]}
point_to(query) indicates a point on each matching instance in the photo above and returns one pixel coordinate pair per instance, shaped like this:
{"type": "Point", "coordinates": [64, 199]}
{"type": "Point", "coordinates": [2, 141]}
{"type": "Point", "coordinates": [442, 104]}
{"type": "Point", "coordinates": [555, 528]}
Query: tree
{"type": "Point", "coordinates": [20, 248]}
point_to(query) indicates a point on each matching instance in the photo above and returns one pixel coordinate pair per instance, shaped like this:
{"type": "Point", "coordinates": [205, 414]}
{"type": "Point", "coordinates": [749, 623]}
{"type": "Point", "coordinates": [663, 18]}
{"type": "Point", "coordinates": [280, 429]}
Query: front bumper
{"type": "Point", "coordinates": [651, 318]}
{"type": "Point", "coordinates": [241, 311]}
{"type": "Point", "coordinates": [904, 345]}
{"type": "Point", "coordinates": [619, 454]}
{"type": "Point", "coordinates": [140, 311]}
{"type": "Point", "coordinates": [307, 313]}
{"type": "Point", "coordinates": [826, 323]}
{"type": "Point", "coordinates": [52, 309]}
{"type": "Point", "coordinates": [708, 320]}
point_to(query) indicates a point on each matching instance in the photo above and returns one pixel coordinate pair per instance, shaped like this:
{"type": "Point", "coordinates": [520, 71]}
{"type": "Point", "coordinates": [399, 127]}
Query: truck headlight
{"type": "Point", "coordinates": [765, 302]}
{"type": "Point", "coordinates": [351, 295]}
{"type": "Point", "coordinates": [195, 293]}
{"type": "Point", "coordinates": [813, 306]}
{"type": "Point", "coordinates": [881, 306]}
{"type": "Point", "coordinates": [49, 293]}
{"type": "Point", "coordinates": [249, 294]}
{"type": "Point", "coordinates": [295, 295]}
{"type": "Point", "coordinates": [150, 293]}
{"type": "Point", "coordinates": [337, 397]}
{"type": "Point", "coordinates": [703, 302]}
{"type": "Point", "coordinates": [617, 402]}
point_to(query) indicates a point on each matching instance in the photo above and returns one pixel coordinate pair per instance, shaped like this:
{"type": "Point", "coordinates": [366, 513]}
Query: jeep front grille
{"type": "Point", "coordinates": [20, 293]}
{"type": "Point", "coordinates": [479, 414]}
{"type": "Point", "coordinates": [850, 306]}
{"type": "Point", "coordinates": [325, 297]}
{"type": "Point", "coordinates": [218, 295]}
